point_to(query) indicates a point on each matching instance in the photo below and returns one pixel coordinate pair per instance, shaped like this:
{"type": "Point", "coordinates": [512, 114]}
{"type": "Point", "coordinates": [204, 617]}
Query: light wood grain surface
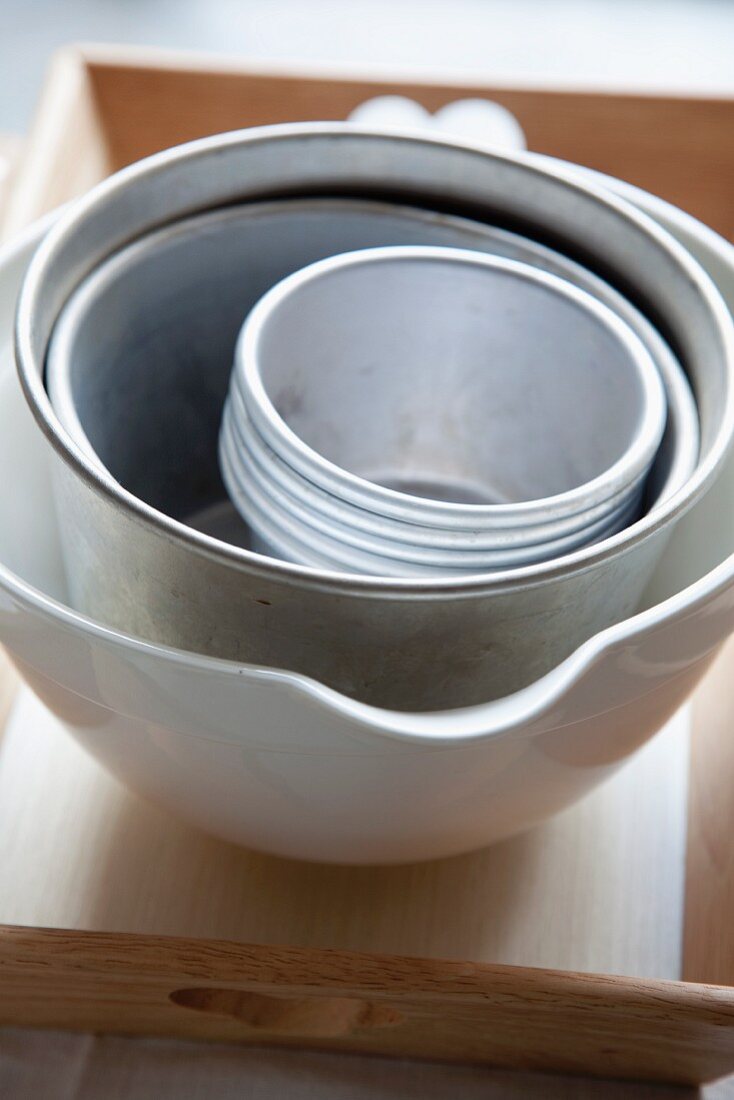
{"type": "Point", "coordinates": [709, 908]}
{"type": "Point", "coordinates": [599, 888]}
{"type": "Point", "coordinates": [66, 152]}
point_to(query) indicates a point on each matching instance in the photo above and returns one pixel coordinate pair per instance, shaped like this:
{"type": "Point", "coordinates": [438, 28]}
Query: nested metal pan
{"type": "Point", "coordinates": [404, 643]}
{"type": "Point", "coordinates": [483, 383]}
{"type": "Point", "coordinates": [148, 339]}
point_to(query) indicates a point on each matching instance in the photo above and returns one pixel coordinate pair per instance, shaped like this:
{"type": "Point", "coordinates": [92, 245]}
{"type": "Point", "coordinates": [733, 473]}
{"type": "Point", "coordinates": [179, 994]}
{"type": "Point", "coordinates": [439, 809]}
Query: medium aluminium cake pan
{"type": "Point", "coordinates": [112, 361]}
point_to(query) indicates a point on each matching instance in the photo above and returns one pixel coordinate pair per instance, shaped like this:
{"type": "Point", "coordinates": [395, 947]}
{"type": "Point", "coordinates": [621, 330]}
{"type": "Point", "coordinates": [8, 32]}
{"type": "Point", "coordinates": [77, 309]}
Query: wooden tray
{"type": "Point", "coordinates": [117, 918]}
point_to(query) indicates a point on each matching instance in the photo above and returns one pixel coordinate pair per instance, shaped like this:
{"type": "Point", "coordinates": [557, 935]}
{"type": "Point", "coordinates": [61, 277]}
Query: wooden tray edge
{"type": "Point", "coordinates": [509, 1017]}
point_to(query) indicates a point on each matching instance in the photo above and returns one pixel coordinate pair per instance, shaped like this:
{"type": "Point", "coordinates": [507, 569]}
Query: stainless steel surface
{"type": "Point", "coordinates": [475, 380]}
{"type": "Point", "coordinates": [112, 361]}
{"type": "Point", "coordinates": [403, 643]}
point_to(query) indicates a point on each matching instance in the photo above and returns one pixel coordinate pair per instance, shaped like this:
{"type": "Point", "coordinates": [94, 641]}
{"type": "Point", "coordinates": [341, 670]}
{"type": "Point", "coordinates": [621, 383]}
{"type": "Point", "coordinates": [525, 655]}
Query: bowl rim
{"type": "Point", "coordinates": [339, 583]}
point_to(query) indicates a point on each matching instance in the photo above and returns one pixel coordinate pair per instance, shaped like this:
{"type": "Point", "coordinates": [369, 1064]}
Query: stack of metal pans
{"type": "Point", "coordinates": [421, 410]}
{"type": "Point", "coordinates": [135, 300]}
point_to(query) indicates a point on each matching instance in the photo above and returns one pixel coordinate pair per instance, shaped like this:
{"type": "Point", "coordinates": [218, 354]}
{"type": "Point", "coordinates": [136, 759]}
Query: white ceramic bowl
{"type": "Point", "coordinates": [281, 763]}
